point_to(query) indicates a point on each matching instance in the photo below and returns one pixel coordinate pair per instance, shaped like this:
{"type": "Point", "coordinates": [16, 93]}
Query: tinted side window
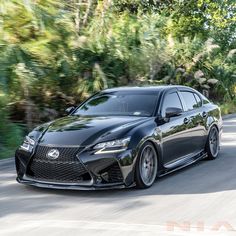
{"type": "Point", "coordinates": [171, 100]}
{"type": "Point", "coordinates": [198, 99]}
{"type": "Point", "coordinates": [190, 100]}
{"type": "Point", "coordinates": [205, 100]}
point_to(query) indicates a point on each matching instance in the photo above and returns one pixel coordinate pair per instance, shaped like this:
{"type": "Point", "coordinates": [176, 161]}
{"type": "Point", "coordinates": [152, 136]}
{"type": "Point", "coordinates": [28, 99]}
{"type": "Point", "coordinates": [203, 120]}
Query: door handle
{"type": "Point", "coordinates": [204, 114]}
{"type": "Point", "coordinates": [186, 121]}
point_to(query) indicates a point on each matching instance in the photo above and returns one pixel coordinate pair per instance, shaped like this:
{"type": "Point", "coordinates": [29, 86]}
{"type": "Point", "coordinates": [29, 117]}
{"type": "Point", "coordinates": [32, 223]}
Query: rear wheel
{"type": "Point", "coordinates": [212, 146]}
{"type": "Point", "coordinates": [146, 166]}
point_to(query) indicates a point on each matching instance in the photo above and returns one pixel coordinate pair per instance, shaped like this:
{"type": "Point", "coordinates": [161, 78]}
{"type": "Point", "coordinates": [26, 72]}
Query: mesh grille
{"type": "Point", "coordinates": [66, 168]}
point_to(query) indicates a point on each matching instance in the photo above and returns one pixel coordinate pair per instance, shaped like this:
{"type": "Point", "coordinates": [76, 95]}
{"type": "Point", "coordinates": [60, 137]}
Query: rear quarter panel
{"type": "Point", "coordinates": [214, 117]}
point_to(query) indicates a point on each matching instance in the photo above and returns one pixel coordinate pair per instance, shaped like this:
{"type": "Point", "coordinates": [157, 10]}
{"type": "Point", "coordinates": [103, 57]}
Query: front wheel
{"type": "Point", "coordinates": [212, 146]}
{"type": "Point", "coordinates": [146, 166]}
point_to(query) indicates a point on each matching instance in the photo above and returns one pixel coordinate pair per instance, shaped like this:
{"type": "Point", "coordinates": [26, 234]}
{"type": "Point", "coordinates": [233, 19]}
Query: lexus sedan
{"type": "Point", "coordinates": [120, 138]}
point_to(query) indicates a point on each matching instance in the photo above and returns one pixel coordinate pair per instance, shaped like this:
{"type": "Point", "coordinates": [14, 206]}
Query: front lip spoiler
{"type": "Point", "coordinates": [72, 186]}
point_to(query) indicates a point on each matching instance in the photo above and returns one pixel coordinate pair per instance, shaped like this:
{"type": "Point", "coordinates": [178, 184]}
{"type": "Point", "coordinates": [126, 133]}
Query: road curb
{"type": "Point", "coordinates": [230, 116]}
{"type": "Point", "coordinates": [7, 160]}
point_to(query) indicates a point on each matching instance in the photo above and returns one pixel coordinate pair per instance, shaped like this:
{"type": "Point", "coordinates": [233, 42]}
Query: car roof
{"type": "Point", "coordinates": [147, 88]}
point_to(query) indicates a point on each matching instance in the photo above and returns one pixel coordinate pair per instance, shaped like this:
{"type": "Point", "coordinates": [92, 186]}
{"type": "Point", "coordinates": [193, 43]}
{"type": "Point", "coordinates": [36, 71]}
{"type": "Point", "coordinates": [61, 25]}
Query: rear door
{"type": "Point", "coordinates": [195, 115]}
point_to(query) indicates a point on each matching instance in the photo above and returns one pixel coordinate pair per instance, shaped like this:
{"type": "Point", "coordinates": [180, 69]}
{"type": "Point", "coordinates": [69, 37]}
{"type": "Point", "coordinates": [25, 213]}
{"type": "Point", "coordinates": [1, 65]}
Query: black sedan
{"type": "Point", "coordinates": [120, 138]}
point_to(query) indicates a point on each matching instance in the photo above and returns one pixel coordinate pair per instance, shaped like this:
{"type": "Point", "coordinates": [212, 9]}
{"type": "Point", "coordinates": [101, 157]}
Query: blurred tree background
{"type": "Point", "coordinates": [54, 54]}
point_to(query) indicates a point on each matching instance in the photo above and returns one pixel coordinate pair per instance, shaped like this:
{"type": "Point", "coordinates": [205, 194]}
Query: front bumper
{"type": "Point", "coordinates": [98, 168]}
{"type": "Point", "coordinates": [51, 185]}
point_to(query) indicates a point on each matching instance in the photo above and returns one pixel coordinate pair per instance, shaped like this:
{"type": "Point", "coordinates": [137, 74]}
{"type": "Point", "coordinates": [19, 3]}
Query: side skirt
{"type": "Point", "coordinates": [186, 163]}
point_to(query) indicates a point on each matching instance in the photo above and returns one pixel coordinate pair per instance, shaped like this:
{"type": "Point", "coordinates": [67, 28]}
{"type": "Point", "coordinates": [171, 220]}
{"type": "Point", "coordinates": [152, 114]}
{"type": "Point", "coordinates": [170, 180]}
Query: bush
{"type": "Point", "coordinates": [228, 108]}
{"type": "Point", "coordinates": [10, 134]}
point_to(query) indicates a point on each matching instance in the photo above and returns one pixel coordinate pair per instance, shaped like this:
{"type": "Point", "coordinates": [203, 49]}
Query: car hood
{"type": "Point", "coordinates": [84, 131]}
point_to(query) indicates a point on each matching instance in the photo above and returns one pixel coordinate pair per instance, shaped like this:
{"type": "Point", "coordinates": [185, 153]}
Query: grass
{"type": "Point", "coordinates": [10, 139]}
{"type": "Point", "coordinates": [228, 108]}
{"type": "Point", "coordinates": [6, 153]}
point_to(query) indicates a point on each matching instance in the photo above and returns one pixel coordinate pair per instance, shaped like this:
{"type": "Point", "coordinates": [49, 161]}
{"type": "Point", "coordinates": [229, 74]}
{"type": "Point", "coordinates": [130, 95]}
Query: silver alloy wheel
{"type": "Point", "coordinates": [214, 142]}
{"type": "Point", "coordinates": [148, 165]}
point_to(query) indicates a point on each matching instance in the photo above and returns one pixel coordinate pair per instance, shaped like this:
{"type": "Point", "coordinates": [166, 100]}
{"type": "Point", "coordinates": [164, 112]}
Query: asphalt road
{"type": "Point", "coordinates": [199, 200]}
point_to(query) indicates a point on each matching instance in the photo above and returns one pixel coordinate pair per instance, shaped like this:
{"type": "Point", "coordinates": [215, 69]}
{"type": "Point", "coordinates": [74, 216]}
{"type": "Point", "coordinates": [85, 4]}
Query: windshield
{"type": "Point", "coordinates": [109, 104]}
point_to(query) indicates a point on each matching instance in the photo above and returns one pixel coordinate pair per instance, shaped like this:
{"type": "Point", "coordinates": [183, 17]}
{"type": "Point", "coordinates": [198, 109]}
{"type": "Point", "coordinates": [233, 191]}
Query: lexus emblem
{"type": "Point", "coordinates": [53, 154]}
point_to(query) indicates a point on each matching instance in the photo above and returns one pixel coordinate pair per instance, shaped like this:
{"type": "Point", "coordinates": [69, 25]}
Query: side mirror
{"type": "Point", "coordinates": [69, 110]}
{"type": "Point", "coordinates": [172, 112]}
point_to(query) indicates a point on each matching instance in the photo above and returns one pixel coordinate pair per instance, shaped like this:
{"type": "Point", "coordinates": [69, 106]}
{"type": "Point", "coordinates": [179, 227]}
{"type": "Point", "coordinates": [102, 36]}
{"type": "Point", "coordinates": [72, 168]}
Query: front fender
{"type": "Point", "coordinates": [144, 133]}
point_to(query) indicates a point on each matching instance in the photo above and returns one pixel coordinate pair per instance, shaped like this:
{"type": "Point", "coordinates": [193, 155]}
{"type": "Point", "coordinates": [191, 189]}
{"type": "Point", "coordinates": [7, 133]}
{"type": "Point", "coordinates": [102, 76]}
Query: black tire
{"type": "Point", "coordinates": [212, 145]}
{"type": "Point", "coordinates": [146, 166]}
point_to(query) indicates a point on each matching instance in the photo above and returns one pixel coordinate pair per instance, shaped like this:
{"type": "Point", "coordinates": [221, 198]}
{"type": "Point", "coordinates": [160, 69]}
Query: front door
{"type": "Point", "coordinates": [174, 133]}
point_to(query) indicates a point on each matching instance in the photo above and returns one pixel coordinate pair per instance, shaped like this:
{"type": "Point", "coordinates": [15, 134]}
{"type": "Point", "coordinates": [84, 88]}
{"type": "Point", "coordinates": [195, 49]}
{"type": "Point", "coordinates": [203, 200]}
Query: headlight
{"type": "Point", "coordinates": [118, 145]}
{"type": "Point", "coordinates": [28, 144]}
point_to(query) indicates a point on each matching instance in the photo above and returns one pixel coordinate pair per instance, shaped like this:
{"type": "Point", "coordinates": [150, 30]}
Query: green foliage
{"type": "Point", "coordinates": [53, 54]}
{"type": "Point", "coordinates": [11, 134]}
{"type": "Point", "coordinates": [228, 108]}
